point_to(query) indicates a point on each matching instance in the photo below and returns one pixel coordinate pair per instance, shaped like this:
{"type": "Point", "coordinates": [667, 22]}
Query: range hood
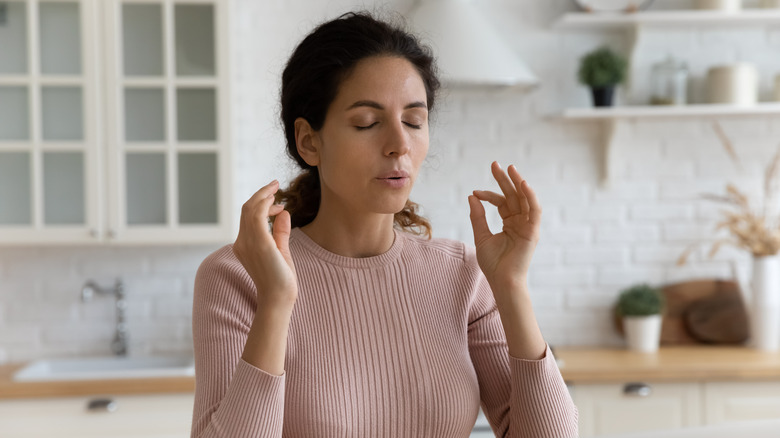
{"type": "Point", "coordinates": [468, 49]}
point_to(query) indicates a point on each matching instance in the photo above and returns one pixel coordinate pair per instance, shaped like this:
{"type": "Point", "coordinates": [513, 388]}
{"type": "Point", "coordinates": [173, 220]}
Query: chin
{"type": "Point", "coordinates": [391, 207]}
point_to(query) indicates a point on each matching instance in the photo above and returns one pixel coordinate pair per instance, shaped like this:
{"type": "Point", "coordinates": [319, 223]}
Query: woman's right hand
{"type": "Point", "coordinates": [265, 254]}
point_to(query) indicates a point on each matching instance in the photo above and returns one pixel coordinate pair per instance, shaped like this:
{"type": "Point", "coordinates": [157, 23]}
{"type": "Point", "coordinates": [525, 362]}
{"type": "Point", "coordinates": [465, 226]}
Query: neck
{"type": "Point", "coordinates": [350, 236]}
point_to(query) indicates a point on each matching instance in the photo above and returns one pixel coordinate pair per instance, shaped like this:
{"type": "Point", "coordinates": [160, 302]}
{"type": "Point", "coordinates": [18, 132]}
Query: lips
{"type": "Point", "coordinates": [395, 178]}
{"type": "Point", "coordinates": [394, 174]}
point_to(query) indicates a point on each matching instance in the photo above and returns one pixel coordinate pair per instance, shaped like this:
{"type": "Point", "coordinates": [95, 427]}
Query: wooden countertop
{"type": "Point", "coordinates": [688, 363]}
{"type": "Point", "coordinates": [12, 389]}
{"type": "Point", "coordinates": [579, 365]}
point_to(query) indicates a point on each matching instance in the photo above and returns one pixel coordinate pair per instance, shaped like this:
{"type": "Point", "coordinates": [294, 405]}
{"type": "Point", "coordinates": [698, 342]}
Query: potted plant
{"type": "Point", "coordinates": [640, 307]}
{"type": "Point", "coordinates": [601, 70]}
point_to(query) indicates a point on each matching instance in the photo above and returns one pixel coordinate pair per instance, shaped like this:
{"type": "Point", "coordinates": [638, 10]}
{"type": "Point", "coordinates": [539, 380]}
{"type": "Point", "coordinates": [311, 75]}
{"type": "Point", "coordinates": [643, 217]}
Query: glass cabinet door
{"type": "Point", "coordinates": [16, 150]}
{"type": "Point", "coordinates": [169, 147]}
{"type": "Point", "coordinates": [48, 190]}
{"type": "Point", "coordinates": [113, 121]}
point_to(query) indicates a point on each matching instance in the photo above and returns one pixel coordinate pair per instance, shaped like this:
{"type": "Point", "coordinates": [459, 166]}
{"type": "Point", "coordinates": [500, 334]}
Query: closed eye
{"type": "Point", "coordinates": [412, 125]}
{"type": "Point", "coordinates": [363, 128]}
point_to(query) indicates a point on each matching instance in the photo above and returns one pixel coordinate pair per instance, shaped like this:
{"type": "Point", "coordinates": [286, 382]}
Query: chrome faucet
{"type": "Point", "coordinates": [88, 291]}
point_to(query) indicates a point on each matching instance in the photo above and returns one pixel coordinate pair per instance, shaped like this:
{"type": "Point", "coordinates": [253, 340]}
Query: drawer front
{"type": "Point", "coordinates": [741, 401]}
{"type": "Point", "coordinates": [634, 407]}
{"type": "Point", "coordinates": [168, 415]}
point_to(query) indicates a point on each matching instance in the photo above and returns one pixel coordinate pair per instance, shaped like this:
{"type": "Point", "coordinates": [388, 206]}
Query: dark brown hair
{"type": "Point", "coordinates": [311, 80]}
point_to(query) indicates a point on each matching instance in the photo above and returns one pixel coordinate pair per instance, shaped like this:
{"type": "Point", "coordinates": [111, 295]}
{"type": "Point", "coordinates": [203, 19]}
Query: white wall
{"type": "Point", "coordinates": [595, 240]}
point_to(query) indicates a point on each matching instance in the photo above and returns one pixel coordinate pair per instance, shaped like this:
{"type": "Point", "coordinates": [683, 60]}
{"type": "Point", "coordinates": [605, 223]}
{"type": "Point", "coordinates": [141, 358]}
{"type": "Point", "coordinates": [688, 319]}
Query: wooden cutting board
{"type": "Point", "coordinates": [702, 311]}
{"type": "Point", "coordinates": [719, 319]}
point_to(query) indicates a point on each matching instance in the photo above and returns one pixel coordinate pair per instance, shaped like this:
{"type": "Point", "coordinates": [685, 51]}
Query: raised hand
{"type": "Point", "coordinates": [264, 253]}
{"type": "Point", "coordinates": [505, 257]}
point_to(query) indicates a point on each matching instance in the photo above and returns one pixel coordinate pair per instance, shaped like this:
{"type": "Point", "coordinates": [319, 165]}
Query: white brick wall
{"type": "Point", "coordinates": [595, 241]}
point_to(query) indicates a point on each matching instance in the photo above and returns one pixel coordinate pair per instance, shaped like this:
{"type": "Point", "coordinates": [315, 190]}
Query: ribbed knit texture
{"type": "Point", "coordinates": [408, 343]}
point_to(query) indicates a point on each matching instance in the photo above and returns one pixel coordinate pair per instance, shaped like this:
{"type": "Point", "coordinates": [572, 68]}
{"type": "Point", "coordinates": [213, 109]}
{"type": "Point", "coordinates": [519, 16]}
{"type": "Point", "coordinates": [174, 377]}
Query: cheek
{"type": "Point", "coordinates": [420, 150]}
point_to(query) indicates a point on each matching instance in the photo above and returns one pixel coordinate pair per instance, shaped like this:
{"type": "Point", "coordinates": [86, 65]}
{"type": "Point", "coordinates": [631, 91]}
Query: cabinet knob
{"type": "Point", "coordinates": [101, 405]}
{"type": "Point", "coordinates": [93, 233]}
{"type": "Point", "coordinates": [111, 234]}
{"type": "Point", "coordinates": [637, 389]}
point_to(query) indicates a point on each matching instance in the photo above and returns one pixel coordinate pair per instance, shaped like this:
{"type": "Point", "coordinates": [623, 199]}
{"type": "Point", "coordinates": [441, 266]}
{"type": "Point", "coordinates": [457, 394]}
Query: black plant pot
{"type": "Point", "coordinates": [602, 96]}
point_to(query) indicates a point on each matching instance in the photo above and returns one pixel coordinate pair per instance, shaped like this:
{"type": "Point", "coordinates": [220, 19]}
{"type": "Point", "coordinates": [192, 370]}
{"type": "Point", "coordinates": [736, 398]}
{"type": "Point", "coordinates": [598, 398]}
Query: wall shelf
{"type": "Point", "coordinates": [613, 118]}
{"type": "Point", "coordinates": [659, 111]}
{"type": "Point", "coordinates": [584, 20]}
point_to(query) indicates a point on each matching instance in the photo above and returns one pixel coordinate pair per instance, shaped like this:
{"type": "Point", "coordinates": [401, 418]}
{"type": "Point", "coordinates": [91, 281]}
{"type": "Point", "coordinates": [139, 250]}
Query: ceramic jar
{"type": "Point", "coordinates": [720, 5]}
{"type": "Point", "coordinates": [735, 84]}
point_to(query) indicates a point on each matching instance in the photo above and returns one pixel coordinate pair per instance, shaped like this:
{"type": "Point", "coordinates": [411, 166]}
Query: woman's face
{"type": "Point", "coordinates": [374, 138]}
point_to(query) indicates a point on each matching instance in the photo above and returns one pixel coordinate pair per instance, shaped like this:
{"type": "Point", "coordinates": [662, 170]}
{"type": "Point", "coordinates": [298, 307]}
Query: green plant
{"type": "Point", "coordinates": [640, 300]}
{"type": "Point", "coordinates": [602, 67]}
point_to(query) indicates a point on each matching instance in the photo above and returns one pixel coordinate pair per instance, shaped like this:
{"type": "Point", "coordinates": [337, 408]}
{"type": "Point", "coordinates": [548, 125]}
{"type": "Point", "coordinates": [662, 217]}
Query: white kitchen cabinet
{"type": "Point", "coordinates": [114, 124]}
{"type": "Point", "coordinates": [741, 401]}
{"type": "Point", "coordinates": [136, 416]}
{"type": "Point", "coordinates": [148, 416]}
{"type": "Point", "coordinates": [613, 408]}
{"type": "Point", "coordinates": [607, 408]}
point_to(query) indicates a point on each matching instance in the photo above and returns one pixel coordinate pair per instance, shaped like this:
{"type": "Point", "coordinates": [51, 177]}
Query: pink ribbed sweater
{"type": "Point", "coordinates": [408, 343]}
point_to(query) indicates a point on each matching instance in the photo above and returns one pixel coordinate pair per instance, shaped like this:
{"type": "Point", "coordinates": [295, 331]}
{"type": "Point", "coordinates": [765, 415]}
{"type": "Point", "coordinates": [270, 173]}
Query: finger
{"type": "Point", "coordinates": [496, 199]}
{"type": "Point", "coordinates": [260, 213]}
{"type": "Point", "coordinates": [478, 221]}
{"type": "Point", "coordinates": [264, 192]}
{"type": "Point", "coordinates": [275, 209]}
{"type": "Point", "coordinates": [492, 197]}
{"type": "Point", "coordinates": [507, 187]}
{"type": "Point", "coordinates": [535, 208]}
{"type": "Point", "coordinates": [517, 180]}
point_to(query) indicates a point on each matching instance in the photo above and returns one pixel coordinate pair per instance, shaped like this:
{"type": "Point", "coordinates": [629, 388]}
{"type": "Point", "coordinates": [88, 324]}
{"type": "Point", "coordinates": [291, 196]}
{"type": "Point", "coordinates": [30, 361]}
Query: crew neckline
{"type": "Point", "coordinates": [351, 262]}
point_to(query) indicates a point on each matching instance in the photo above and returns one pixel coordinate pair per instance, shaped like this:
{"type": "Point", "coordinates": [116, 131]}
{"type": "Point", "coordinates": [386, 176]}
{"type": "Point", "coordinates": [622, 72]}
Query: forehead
{"type": "Point", "coordinates": [385, 79]}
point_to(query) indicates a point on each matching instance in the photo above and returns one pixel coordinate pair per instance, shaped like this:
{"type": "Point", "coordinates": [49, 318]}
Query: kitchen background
{"type": "Point", "coordinates": [596, 240]}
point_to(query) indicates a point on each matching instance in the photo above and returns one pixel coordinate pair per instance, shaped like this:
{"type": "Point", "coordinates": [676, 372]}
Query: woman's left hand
{"type": "Point", "coordinates": [505, 257]}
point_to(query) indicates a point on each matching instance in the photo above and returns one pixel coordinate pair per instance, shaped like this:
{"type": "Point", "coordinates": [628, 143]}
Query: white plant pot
{"type": "Point", "coordinates": [765, 303]}
{"type": "Point", "coordinates": [643, 333]}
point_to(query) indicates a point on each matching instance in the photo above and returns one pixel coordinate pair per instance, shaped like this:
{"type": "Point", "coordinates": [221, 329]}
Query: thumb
{"type": "Point", "coordinates": [281, 232]}
{"type": "Point", "coordinates": [478, 221]}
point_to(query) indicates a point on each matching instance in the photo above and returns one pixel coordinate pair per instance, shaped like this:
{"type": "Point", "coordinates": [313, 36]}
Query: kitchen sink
{"type": "Point", "coordinates": [95, 368]}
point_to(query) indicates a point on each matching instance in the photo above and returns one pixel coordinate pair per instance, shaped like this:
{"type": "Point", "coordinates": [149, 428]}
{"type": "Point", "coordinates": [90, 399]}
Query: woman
{"type": "Point", "coordinates": [340, 321]}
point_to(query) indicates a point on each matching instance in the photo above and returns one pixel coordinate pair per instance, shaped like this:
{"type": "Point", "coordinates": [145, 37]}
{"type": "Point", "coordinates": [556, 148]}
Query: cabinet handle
{"type": "Point", "coordinates": [637, 389]}
{"type": "Point", "coordinates": [93, 233]}
{"type": "Point", "coordinates": [111, 234]}
{"type": "Point", "coordinates": [101, 405]}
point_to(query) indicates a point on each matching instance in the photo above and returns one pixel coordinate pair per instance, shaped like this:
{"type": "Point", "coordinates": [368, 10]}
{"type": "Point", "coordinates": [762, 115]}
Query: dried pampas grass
{"type": "Point", "coordinates": [749, 229]}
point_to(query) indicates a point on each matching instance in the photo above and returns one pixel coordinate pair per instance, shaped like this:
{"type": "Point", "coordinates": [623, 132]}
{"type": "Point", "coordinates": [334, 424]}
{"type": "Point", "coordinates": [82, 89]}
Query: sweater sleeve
{"type": "Point", "coordinates": [232, 398]}
{"type": "Point", "coordinates": [520, 398]}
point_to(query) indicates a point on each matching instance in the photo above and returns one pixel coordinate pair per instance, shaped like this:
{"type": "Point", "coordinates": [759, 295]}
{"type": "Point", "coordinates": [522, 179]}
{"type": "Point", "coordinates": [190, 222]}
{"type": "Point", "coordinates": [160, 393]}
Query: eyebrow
{"type": "Point", "coordinates": [377, 105]}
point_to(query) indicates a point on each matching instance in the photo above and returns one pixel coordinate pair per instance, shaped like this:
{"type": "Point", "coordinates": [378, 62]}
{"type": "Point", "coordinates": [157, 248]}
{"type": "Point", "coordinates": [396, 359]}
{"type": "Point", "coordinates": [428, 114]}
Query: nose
{"type": "Point", "coordinates": [397, 142]}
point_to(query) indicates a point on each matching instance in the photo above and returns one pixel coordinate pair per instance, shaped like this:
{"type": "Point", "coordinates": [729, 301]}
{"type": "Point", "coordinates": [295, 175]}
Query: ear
{"type": "Point", "coordinates": [307, 141]}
